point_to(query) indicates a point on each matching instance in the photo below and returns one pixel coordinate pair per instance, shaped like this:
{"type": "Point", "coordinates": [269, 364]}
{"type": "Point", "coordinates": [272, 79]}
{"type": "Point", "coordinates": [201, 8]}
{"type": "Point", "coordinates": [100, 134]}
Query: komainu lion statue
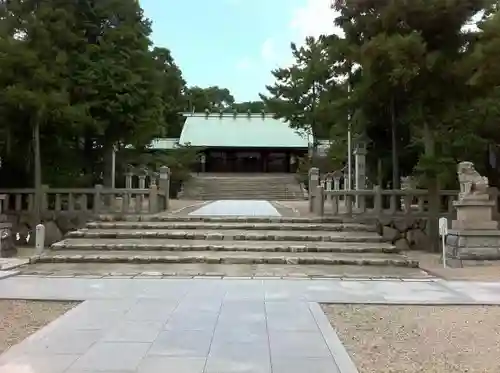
{"type": "Point", "coordinates": [471, 182]}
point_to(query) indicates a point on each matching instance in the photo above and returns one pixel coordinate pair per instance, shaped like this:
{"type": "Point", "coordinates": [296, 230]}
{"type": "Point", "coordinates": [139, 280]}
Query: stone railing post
{"type": "Point", "coordinates": [336, 180]}
{"type": "Point", "coordinates": [360, 174]}
{"type": "Point", "coordinates": [164, 186]}
{"type": "Point", "coordinates": [128, 180]}
{"type": "Point", "coordinates": [313, 183]}
{"type": "Point", "coordinates": [153, 199]}
{"type": "Point", "coordinates": [98, 199]}
{"type": "Point", "coordinates": [377, 200]}
{"type": "Point", "coordinates": [493, 194]}
{"type": "Point", "coordinates": [319, 201]}
{"type": "Point", "coordinates": [142, 181]}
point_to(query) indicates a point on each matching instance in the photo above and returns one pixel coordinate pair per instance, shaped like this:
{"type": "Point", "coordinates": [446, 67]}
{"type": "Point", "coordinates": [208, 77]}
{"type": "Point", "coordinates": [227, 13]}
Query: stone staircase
{"type": "Point", "coordinates": [214, 244]}
{"type": "Point", "coordinates": [278, 187]}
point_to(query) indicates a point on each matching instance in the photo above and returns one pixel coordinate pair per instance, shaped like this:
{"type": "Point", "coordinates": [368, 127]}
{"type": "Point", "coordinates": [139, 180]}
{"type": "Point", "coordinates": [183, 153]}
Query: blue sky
{"type": "Point", "coordinates": [234, 43]}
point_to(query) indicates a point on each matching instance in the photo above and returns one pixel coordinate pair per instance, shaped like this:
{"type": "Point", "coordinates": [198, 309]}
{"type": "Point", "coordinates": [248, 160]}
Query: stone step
{"type": "Point", "coordinates": [328, 227]}
{"type": "Point", "coordinates": [229, 257]}
{"type": "Point", "coordinates": [199, 197]}
{"type": "Point", "coordinates": [226, 219]}
{"type": "Point", "coordinates": [239, 196]}
{"type": "Point", "coordinates": [234, 271]}
{"type": "Point", "coordinates": [228, 235]}
{"type": "Point", "coordinates": [207, 245]}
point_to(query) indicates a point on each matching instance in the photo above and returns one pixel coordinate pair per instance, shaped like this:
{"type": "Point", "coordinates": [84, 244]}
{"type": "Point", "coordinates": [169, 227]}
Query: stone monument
{"type": "Point", "coordinates": [7, 242]}
{"type": "Point", "coordinates": [474, 234]}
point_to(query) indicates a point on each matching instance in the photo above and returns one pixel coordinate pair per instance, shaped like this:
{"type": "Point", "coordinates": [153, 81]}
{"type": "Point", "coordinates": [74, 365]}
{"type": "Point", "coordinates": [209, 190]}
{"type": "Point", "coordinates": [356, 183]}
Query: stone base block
{"type": "Point", "coordinates": [474, 225]}
{"type": "Point", "coordinates": [473, 244]}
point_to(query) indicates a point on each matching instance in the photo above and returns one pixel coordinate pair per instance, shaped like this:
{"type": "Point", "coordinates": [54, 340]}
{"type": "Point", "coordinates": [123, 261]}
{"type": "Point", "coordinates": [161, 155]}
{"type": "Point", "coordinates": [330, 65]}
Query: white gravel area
{"type": "Point", "coordinates": [19, 319]}
{"type": "Point", "coordinates": [418, 339]}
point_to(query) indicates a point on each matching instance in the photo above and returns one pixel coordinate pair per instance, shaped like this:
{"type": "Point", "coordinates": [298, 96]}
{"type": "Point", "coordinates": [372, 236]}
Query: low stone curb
{"type": "Point", "coordinates": [332, 227]}
{"type": "Point", "coordinates": [64, 245]}
{"type": "Point", "coordinates": [340, 355]}
{"type": "Point", "coordinates": [7, 274]}
{"type": "Point", "coordinates": [224, 260]}
{"type": "Point", "coordinates": [215, 236]}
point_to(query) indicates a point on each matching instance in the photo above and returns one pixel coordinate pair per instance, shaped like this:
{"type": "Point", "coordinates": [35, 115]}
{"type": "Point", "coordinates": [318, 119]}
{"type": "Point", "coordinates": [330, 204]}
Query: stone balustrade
{"type": "Point", "coordinates": [98, 200]}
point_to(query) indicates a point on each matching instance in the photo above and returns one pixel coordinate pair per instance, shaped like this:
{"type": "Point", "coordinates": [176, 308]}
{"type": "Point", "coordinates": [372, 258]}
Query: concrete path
{"type": "Point", "coordinates": [237, 208]}
{"type": "Point", "coordinates": [204, 325]}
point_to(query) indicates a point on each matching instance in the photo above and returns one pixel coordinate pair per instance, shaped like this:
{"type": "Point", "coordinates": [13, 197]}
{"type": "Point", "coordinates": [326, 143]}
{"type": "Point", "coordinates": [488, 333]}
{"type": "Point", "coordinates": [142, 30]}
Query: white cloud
{"type": "Point", "coordinates": [315, 18]}
{"type": "Point", "coordinates": [268, 50]}
{"type": "Point", "coordinates": [244, 64]}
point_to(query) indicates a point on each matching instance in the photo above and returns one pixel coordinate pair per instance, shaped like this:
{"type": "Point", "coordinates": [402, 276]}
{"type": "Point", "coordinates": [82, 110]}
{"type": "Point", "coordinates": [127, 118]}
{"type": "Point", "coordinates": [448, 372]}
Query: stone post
{"type": "Point", "coordinates": [313, 183]}
{"type": "Point", "coordinates": [39, 239]}
{"type": "Point", "coordinates": [153, 199]}
{"type": "Point", "coordinates": [203, 162]}
{"type": "Point", "coordinates": [164, 186]}
{"type": "Point", "coordinates": [319, 201]}
{"type": "Point", "coordinates": [360, 173]}
{"type": "Point", "coordinates": [98, 199]}
{"type": "Point", "coordinates": [337, 176]}
{"type": "Point", "coordinates": [142, 181]}
{"type": "Point", "coordinates": [128, 179]}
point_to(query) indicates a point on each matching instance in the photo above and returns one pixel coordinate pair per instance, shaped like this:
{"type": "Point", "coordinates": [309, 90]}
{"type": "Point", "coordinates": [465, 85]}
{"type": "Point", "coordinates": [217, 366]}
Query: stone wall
{"type": "Point", "coordinates": [404, 232]}
{"type": "Point", "coordinates": [57, 224]}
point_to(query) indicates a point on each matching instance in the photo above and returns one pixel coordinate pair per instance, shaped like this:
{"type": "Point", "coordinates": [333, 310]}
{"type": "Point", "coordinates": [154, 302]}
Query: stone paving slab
{"type": "Point", "coordinates": [316, 290]}
{"type": "Point", "coordinates": [226, 257]}
{"type": "Point", "coordinates": [237, 208]}
{"type": "Point", "coordinates": [142, 326]}
{"type": "Point", "coordinates": [147, 326]}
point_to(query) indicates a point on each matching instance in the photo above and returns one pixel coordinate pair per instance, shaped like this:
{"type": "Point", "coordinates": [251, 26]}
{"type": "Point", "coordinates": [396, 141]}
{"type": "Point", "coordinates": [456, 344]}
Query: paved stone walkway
{"type": "Point", "coordinates": [205, 325]}
{"type": "Point", "coordinates": [237, 208]}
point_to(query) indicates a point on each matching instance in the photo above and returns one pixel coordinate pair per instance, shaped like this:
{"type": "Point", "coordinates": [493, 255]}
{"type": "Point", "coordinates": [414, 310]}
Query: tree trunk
{"type": "Point", "coordinates": [433, 189]}
{"type": "Point", "coordinates": [108, 165]}
{"type": "Point", "coordinates": [380, 173]}
{"type": "Point", "coordinates": [38, 168]}
{"type": "Point", "coordinates": [394, 140]}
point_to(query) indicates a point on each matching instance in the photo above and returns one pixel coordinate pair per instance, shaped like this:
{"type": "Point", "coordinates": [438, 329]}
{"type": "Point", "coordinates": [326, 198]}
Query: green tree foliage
{"type": "Point", "coordinates": [249, 106]}
{"type": "Point", "coordinates": [84, 74]}
{"type": "Point", "coordinates": [173, 89]}
{"type": "Point", "coordinates": [212, 98]}
{"type": "Point", "coordinates": [302, 91]}
{"type": "Point", "coordinates": [423, 85]}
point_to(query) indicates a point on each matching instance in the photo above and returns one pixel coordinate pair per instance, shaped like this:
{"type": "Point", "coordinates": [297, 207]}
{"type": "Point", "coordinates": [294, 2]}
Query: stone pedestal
{"type": "Point", "coordinates": [474, 234]}
{"type": "Point", "coordinates": [7, 241]}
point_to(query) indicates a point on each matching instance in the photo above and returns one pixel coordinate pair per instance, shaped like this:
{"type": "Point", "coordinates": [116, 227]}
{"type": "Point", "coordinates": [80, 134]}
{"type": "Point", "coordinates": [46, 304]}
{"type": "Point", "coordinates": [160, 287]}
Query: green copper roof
{"type": "Point", "coordinates": [240, 131]}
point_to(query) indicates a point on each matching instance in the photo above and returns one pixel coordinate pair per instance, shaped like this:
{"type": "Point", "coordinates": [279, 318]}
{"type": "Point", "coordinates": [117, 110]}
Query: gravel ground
{"type": "Point", "coordinates": [19, 319]}
{"type": "Point", "coordinates": [411, 339]}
